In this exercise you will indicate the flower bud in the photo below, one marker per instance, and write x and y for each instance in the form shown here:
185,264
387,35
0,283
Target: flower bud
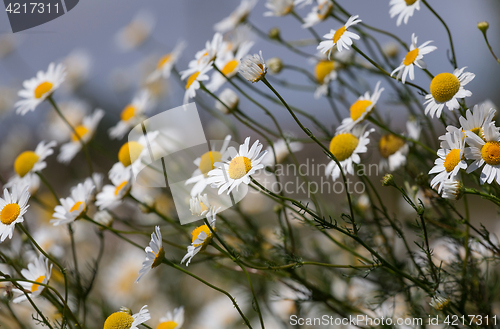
228,101
274,33
275,65
483,26
388,180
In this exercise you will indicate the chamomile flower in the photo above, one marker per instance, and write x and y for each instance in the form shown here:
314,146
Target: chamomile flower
135,33
394,149
37,89
199,205
173,320
228,65
125,320
324,72
439,302
346,147
77,64
238,16
412,58
154,253
281,150
131,115
342,38
167,62
450,159
452,189
111,196
484,152
205,164
361,108
84,133
403,8
74,206
12,208
229,101
481,116
31,162
194,77
446,89
236,167
279,7
38,271
318,13
213,49
253,67
202,235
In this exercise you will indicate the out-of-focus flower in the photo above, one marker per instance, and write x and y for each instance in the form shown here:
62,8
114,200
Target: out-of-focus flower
394,149
7,99
275,65
173,320
131,115
214,49
253,67
74,206
167,62
125,320
318,13
84,133
154,253
194,77
413,57
324,71
237,167
361,108
279,7
135,33
199,205
446,89
403,8
238,16
8,44
50,239
484,152
229,101
342,38
77,65
12,208
37,89
103,217
55,128
346,148
439,302
281,150
112,195
38,271
202,235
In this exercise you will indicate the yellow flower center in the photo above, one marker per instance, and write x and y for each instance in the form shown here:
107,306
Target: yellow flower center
410,57
338,34
207,161
165,59
490,153
191,79
158,258
128,113
390,144
10,213
229,67
322,69
80,132
196,232
120,187
42,89
444,86
129,153
167,325
35,286
239,167
410,2
25,162
451,160
119,320
77,205
343,145
358,108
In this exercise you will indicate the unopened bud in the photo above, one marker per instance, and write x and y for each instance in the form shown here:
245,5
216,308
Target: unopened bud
274,33
275,65
483,26
388,180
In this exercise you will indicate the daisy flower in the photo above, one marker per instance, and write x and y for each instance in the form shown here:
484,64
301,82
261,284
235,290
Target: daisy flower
341,37
125,320
205,164
446,89
413,57
84,133
199,205
346,147
39,271
450,159
167,62
77,64
12,208
131,115
202,235
439,302
253,67
452,189
154,253
237,166
281,150
213,48
229,101
318,13
37,89
475,120
324,72
111,196
403,8
30,162
74,206
484,152
134,34
394,149
228,65
361,108
173,320
279,7
194,77
238,16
